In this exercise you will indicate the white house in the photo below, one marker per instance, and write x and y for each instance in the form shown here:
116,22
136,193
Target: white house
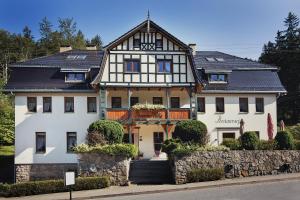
58,96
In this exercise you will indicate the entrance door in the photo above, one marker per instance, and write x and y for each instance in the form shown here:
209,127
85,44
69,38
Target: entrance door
158,139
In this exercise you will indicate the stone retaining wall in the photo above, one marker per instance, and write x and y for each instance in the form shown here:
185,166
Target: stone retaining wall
33,172
95,164
238,163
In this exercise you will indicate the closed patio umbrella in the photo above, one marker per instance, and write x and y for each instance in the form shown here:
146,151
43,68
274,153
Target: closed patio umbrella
242,127
282,125
270,127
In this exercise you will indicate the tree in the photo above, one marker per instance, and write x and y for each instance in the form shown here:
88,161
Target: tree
97,41
285,53
79,42
67,28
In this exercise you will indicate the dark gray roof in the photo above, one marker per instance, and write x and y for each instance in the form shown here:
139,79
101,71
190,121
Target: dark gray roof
39,78
249,81
93,59
230,62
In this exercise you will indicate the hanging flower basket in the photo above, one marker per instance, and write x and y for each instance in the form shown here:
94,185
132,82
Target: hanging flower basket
147,110
148,107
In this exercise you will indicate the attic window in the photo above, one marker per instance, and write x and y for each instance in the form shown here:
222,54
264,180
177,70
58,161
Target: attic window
217,78
75,77
210,59
220,59
76,57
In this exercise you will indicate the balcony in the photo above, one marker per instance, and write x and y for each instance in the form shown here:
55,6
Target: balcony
145,115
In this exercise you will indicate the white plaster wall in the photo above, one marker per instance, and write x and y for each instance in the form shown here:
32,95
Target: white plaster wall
55,124
253,121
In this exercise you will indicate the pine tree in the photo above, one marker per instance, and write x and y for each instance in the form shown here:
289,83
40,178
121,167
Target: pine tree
67,28
97,41
79,41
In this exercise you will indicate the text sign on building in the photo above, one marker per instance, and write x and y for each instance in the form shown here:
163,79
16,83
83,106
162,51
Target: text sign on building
69,178
227,121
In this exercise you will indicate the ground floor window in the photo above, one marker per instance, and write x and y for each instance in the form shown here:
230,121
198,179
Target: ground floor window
71,141
40,142
158,139
228,135
126,138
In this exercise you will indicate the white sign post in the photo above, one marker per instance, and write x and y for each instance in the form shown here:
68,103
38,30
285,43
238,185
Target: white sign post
69,181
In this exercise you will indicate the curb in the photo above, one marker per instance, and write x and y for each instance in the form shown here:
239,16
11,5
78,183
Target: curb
188,188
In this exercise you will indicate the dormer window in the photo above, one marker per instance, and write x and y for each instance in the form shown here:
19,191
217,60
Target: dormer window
136,43
75,77
217,78
159,43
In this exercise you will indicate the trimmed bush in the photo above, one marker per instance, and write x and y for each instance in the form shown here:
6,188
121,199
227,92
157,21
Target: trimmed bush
266,145
170,145
232,144
52,186
249,141
191,131
127,150
200,175
111,131
284,140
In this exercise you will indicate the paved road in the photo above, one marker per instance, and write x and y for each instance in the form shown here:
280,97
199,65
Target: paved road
285,190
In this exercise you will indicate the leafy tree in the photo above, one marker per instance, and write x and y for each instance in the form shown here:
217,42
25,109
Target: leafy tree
285,53
79,42
67,27
97,41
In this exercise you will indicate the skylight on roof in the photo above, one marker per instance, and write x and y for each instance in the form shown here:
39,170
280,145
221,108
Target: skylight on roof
76,57
210,59
220,59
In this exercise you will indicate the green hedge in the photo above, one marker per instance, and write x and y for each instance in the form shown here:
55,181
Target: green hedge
200,175
284,140
52,186
232,144
249,141
266,145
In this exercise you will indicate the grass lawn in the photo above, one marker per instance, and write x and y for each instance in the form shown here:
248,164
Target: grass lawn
7,150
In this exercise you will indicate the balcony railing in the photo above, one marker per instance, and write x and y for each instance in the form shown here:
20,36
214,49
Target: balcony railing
141,115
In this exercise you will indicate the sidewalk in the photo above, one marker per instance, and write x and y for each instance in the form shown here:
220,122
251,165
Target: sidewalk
148,189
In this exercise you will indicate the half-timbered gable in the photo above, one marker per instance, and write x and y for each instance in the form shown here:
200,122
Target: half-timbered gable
147,54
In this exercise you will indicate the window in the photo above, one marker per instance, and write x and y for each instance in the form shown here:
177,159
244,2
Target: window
201,104
164,66
136,43
228,136
217,78
220,104
134,100
47,104
159,43
157,101
158,139
175,102
259,104
75,77
132,66
69,104
40,142
91,105
71,141
257,133
243,104
126,138
116,102
31,104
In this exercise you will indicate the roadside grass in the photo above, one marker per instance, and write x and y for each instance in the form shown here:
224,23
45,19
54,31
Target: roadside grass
7,150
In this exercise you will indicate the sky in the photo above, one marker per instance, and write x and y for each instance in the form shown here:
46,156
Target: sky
238,27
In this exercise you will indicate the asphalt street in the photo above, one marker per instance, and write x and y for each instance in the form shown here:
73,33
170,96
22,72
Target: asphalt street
283,190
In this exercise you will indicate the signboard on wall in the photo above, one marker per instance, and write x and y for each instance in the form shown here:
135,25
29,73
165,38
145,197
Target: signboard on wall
70,178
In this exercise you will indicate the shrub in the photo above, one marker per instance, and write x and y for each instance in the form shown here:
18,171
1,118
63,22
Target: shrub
294,130
94,138
191,131
284,140
200,175
170,145
266,145
111,131
127,150
249,141
186,149
232,144
297,144
52,186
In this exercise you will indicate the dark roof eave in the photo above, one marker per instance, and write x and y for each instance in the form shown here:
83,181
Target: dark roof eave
15,90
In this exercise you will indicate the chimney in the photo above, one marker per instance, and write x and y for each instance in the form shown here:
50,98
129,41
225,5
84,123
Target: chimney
93,47
65,48
193,47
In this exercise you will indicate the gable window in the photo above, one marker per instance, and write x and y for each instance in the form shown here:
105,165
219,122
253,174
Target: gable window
136,43
220,108
91,105
201,104
116,102
75,77
175,102
40,142
69,104
31,104
244,105
159,43
157,101
47,104
259,105
164,66
217,78
132,66
134,100
71,141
